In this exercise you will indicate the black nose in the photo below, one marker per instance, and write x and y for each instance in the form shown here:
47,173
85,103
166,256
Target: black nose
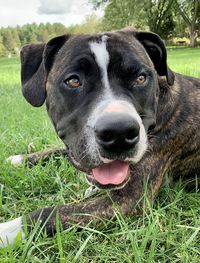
117,132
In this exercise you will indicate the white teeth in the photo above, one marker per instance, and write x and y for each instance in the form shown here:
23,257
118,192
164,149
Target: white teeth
105,160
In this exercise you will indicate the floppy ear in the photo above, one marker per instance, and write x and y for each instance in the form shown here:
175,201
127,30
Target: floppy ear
156,50
36,62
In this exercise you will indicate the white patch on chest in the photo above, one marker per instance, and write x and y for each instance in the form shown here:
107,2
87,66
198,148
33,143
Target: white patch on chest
102,59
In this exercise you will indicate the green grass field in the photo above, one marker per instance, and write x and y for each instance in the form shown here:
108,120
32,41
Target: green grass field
169,232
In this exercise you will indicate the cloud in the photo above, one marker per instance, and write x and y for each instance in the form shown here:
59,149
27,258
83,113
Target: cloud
67,12
60,7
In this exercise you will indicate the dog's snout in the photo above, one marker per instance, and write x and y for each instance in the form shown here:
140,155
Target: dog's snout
117,132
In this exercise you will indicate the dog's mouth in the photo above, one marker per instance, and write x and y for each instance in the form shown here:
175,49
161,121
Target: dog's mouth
115,173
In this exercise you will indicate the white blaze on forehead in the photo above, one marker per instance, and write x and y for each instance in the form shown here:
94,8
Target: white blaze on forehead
102,58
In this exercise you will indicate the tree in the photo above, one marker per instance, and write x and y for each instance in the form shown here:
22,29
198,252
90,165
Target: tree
91,25
159,17
119,14
16,38
45,36
98,3
8,40
156,15
190,13
2,48
58,29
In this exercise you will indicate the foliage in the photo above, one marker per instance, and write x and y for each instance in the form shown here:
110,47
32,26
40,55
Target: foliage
154,15
98,3
168,18
165,17
11,39
91,25
159,17
189,11
2,47
119,14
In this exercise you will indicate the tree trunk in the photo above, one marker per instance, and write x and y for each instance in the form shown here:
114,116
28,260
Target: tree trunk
193,38
190,20
193,33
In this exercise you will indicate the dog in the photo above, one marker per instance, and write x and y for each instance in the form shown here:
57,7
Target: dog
124,116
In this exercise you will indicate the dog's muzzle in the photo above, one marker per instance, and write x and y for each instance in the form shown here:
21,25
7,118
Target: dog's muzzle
114,138
117,133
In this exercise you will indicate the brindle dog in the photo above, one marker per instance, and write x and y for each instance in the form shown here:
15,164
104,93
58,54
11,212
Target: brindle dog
123,115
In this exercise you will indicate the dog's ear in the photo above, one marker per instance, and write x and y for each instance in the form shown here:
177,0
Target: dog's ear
156,50
36,62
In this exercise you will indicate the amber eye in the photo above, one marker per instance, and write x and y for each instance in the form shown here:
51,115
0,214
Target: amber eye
141,80
73,82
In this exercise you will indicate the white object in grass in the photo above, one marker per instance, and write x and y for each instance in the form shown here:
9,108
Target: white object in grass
16,160
10,230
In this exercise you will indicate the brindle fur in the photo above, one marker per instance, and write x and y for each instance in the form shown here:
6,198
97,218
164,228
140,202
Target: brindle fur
174,146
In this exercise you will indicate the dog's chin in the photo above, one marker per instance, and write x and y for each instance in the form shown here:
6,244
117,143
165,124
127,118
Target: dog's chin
111,174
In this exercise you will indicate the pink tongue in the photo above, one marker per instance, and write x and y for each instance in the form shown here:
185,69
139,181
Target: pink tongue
112,173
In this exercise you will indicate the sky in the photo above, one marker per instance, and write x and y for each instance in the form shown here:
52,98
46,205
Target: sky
67,12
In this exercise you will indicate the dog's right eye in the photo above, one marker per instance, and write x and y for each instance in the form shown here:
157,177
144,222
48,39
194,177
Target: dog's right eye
141,79
73,82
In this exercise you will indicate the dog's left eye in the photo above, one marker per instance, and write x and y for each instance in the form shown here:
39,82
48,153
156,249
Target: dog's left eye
73,82
141,79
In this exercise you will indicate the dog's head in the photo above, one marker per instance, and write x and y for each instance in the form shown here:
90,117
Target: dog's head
101,94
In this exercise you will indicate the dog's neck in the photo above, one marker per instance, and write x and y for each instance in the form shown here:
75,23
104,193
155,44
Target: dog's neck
167,103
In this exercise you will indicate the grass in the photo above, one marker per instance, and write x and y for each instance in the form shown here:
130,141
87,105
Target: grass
169,232
185,60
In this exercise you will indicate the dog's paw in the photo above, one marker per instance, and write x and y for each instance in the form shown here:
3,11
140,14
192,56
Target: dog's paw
10,231
16,160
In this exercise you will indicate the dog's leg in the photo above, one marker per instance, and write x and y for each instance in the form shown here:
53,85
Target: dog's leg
127,199
33,158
